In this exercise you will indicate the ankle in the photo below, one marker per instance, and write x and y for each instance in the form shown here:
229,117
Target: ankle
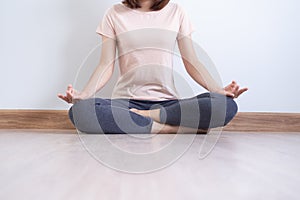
163,128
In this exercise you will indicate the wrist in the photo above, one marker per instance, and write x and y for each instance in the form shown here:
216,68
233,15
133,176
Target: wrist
79,96
83,95
218,90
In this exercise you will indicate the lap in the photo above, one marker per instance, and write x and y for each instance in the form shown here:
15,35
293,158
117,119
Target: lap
204,98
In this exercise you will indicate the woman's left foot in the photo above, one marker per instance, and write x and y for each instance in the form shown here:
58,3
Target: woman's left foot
144,113
168,128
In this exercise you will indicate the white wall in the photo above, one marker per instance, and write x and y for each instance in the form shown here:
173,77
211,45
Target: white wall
254,42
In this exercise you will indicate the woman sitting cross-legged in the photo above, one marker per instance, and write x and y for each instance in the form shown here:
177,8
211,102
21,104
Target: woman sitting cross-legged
145,98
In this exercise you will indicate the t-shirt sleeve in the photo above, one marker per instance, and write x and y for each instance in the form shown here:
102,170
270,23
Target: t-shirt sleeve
106,26
186,26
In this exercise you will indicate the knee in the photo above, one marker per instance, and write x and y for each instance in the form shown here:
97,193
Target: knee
231,110
83,116
223,109
70,113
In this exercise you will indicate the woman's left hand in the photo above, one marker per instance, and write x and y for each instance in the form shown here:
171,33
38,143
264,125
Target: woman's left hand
233,90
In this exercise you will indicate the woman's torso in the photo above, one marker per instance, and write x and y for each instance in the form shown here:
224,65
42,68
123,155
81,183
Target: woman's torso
145,43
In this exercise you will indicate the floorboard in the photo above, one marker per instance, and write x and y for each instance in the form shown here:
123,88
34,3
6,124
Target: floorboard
58,166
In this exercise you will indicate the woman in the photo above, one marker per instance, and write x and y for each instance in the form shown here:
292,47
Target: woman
145,99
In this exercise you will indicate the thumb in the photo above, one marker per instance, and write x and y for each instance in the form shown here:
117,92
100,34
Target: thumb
229,94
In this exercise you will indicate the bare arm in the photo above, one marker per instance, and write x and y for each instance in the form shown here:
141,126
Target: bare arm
100,76
200,74
104,70
194,67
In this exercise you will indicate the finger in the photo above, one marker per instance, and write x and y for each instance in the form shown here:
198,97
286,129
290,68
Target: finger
69,88
241,91
69,96
236,89
62,96
232,86
234,83
233,89
69,93
66,99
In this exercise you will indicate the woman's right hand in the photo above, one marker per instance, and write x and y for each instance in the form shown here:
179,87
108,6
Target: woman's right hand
72,96
234,90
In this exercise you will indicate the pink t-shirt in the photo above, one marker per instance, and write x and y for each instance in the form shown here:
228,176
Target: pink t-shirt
145,44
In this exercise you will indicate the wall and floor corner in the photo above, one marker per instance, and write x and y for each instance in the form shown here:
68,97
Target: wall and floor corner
254,42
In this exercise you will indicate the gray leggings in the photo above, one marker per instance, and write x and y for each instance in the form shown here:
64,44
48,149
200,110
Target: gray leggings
96,115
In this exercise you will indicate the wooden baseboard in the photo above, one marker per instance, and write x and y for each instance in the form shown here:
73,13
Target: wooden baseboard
35,119
265,122
58,120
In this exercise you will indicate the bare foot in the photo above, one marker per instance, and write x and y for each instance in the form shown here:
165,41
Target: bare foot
168,129
157,127
144,113
153,114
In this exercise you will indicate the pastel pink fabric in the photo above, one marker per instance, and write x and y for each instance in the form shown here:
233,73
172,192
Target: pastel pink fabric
145,44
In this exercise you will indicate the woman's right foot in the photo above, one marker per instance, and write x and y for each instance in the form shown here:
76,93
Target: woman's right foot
165,128
153,114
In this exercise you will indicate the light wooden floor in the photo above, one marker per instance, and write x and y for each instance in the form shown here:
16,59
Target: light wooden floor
241,166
